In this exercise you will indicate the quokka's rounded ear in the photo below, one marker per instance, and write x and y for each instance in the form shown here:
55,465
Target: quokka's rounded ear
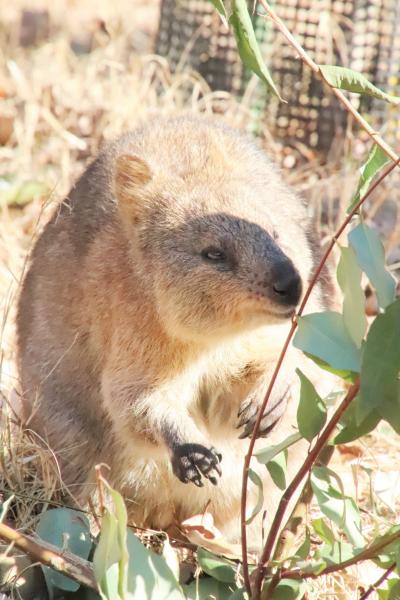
131,175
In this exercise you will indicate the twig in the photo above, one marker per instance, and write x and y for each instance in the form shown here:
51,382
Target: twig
78,569
290,531
304,469
378,582
263,406
306,58
367,554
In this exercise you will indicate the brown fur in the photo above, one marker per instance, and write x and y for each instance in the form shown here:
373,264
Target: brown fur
132,346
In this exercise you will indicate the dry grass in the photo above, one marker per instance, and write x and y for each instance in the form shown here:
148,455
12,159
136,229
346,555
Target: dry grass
62,107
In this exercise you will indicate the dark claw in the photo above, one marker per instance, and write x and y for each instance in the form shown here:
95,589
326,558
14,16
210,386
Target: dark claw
244,406
246,432
192,461
248,413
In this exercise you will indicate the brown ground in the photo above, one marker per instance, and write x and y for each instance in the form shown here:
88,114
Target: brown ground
56,107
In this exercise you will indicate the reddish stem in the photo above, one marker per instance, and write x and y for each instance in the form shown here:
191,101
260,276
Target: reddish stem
263,406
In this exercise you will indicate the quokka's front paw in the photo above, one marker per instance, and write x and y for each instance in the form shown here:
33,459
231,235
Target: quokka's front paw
190,462
248,413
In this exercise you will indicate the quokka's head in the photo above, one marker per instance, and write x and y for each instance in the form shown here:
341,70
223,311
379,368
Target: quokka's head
214,233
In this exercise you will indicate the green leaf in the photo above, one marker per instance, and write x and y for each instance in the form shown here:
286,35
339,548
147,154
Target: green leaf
247,44
389,409
388,553
349,278
311,565
171,558
311,413
303,550
346,375
351,430
335,554
219,5
277,468
323,531
125,569
67,529
218,567
380,385
394,589
325,336
289,589
264,455
339,508
204,588
111,557
347,79
254,477
371,258
149,575
239,595
375,162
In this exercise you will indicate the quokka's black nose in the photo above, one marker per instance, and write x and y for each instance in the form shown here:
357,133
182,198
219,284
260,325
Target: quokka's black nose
286,284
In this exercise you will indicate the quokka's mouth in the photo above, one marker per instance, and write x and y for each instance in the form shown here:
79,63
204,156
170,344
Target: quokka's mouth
287,314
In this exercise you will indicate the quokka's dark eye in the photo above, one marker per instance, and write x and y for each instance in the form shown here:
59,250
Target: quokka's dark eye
213,254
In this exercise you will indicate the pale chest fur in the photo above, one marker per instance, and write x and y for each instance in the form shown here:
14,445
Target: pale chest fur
229,373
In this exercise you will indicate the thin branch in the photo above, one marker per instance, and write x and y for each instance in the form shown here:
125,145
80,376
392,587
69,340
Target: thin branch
78,569
290,531
306,58
263,406
378,582
290,490
367,554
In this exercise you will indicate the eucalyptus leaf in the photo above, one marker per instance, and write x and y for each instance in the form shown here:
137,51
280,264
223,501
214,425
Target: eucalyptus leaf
380,385
303,550
375,162
347,79
255,478
344,374
149,575
323,531
394,590
277,468
311,412
325,336
289,589
219,5
339,508
349,278
389,409
352,430
218,567
240,594
204,588
371,258
68,529
264,455
335,554
110,558
247,44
